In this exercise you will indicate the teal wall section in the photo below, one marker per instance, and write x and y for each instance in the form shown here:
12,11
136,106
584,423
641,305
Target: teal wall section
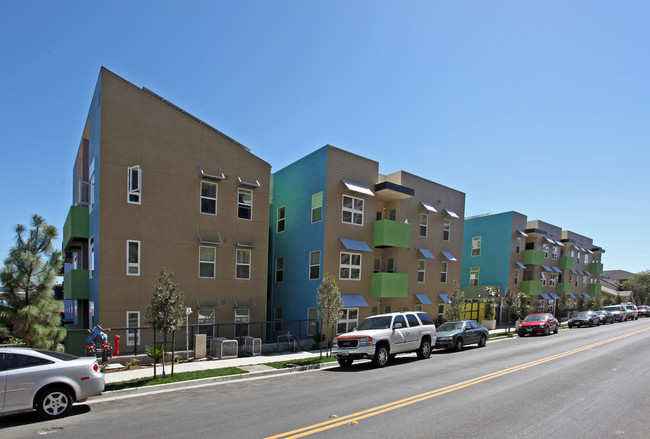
293,187
496,240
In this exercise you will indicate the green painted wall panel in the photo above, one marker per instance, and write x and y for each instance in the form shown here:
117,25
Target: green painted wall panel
387,233
563,288
531,287
565,262
383,285
596,268
76,225
533,257
75,284
594,289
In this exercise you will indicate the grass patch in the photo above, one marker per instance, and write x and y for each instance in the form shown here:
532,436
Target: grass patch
303,362
178,377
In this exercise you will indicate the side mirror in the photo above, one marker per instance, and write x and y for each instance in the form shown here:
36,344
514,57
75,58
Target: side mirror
397,325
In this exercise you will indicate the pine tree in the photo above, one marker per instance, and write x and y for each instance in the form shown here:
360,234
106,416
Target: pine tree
29,275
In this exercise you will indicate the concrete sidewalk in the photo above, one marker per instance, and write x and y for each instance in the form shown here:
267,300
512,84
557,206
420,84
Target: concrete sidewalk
251,364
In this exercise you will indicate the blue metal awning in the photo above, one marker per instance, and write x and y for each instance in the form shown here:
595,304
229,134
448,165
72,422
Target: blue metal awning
451,213
546,296
353,301
571,294
547,268
426,253
444,298
428,207
587,295
587,273
580,272
557,270
449,256
521,232
351,244
573,271
354,187
424,300
549,240
520,265
555,296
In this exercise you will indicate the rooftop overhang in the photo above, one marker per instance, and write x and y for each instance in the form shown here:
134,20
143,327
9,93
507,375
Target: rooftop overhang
388,191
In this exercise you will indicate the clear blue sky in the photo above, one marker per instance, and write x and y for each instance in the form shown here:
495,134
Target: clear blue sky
542,107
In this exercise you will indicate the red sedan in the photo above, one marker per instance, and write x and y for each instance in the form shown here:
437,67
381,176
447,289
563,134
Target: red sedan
542,323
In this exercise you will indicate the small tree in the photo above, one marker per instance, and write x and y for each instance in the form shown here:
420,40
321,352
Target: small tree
455,309
490,294
639,284
562,305
597,302
524,306
511,305
330,305
166,312
608,300
29,274
582,306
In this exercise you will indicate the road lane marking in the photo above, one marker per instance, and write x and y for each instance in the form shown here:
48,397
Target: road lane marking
355,417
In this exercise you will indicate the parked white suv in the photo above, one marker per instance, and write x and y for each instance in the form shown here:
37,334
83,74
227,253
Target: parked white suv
383,336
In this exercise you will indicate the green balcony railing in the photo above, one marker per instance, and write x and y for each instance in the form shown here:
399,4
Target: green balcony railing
75,284
388,233
563,288
565,263
531,287
596,268
76,225
383,285
594,289
533,257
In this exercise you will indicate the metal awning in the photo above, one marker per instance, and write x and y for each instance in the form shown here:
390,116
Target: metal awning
202,240
424,300
549,240
522,233
520,265
547,268
212,177
581,273
587,273
573,271
557,270
251,244
555,296
449,256
426,253
559,243
444,298
353,301
354,187
428,207
351,244
587,295
250,184
451,213
546,296
571,294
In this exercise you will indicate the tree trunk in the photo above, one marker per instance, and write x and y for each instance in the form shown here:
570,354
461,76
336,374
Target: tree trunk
154,354
173,349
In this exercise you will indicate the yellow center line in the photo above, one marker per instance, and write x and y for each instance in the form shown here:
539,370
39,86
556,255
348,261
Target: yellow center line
344,420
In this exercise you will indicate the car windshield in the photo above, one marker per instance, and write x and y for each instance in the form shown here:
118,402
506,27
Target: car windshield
57,355
450,326
600,313
582,314
613,308
537,318
375,323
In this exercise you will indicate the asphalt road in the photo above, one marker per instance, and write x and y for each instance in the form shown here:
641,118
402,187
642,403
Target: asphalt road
582,382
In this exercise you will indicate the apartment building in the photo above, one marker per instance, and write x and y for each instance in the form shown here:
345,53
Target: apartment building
154,187
392,242
533,257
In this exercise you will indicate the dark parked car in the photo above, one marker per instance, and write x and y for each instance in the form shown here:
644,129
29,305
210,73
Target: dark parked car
455,335
542,323
644,311
605,316
584,318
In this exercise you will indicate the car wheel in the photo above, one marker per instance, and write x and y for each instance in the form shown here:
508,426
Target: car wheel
483,341
570,325
520,335
345,362
547,331
424,351
381,356
591,323
459,344
54,402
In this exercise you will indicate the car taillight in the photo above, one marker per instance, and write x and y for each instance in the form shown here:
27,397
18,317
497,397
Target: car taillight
95,367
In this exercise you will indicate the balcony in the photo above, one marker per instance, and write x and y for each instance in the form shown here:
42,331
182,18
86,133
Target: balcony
563,288
388,233
531,287
596,268
75,285
533,257
565,263
594,289
385,285
76,225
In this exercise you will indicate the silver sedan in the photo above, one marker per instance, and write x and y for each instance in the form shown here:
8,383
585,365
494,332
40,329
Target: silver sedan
49,382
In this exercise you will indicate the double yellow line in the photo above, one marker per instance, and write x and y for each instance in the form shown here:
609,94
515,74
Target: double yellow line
355,417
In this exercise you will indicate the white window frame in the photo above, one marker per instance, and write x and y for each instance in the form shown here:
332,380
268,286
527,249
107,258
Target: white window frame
130,265
91,257
444,269
354,212
446,229
555,253
281,219
243,264
242,322
424,224
518,246
241,205
202,197
543,279
312,265
279,269
349,318
553,280
349,266
422,267
316,207
91,185
206,316
132,335
474,274
516,279
476,245
540,305
134,185
584,281
586,258
208,262
419,307
545,249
